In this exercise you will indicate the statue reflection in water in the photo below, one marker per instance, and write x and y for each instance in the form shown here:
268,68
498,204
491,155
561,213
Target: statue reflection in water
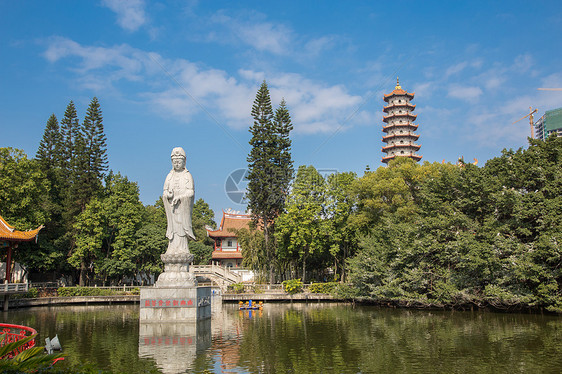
174,346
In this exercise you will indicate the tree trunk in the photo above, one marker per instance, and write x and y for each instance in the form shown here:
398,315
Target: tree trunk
304,270
83,269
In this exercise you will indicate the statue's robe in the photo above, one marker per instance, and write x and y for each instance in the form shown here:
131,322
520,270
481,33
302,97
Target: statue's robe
179,216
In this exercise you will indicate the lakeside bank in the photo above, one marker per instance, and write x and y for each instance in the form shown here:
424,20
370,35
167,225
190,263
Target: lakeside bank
135,299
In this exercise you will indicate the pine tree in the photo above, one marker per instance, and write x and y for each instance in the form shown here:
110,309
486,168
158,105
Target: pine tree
95,140
50,157
48,153
284,162
269,167
69,134
90,154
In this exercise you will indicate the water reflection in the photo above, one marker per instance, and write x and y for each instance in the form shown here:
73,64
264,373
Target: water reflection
304,338
174,346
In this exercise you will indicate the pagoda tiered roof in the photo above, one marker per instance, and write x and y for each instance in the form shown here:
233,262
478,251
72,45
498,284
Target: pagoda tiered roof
8,233
397,115
412,145
412,125
398,91
408,135
404,104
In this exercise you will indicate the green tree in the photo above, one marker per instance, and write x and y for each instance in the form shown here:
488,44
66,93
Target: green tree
69,133
151,239
124,213
23,190
254,256
269,167
24,203
49,151
338,212
203,216
301,230
91,233
107,233
94,152
50,156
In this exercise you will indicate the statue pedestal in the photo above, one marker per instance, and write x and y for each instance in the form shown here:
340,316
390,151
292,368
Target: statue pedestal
175,296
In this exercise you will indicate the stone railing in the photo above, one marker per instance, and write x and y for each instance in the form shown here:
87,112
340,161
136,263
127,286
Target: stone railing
216,271
14,288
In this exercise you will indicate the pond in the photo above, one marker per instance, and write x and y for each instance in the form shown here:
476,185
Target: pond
303,338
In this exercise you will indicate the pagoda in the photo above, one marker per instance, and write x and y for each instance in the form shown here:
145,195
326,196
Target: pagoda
399,127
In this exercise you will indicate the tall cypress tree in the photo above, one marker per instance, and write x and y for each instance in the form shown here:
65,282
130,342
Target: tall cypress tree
269,167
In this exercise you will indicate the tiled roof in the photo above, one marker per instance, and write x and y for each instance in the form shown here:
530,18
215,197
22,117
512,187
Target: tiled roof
391,146
230,223
387,108
412,125
226,254
406,135
10,234
413,116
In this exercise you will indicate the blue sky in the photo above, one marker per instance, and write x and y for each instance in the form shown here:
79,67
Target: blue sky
185,73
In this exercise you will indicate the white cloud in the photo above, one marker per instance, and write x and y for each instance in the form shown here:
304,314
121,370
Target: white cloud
467,93
523,63
456,69
182,89
271,37
130,13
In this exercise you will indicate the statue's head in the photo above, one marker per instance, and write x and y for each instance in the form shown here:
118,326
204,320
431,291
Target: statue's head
178,158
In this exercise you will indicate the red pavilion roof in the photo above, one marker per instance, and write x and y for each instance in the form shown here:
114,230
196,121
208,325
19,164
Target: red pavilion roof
226,254
230,223
10,234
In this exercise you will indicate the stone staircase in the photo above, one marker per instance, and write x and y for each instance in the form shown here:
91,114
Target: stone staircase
218,275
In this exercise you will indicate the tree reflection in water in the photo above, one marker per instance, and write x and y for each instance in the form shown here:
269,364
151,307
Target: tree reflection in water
306,338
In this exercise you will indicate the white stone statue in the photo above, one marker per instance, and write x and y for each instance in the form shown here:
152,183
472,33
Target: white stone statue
178,202
178,198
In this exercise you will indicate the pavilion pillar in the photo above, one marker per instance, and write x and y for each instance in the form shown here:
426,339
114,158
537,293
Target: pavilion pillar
8,276
9,263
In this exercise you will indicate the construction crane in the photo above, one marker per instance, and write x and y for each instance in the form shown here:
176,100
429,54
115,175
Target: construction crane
549,89
531,121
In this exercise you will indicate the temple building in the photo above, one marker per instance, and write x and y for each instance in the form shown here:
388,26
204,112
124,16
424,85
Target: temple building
227,251
399,127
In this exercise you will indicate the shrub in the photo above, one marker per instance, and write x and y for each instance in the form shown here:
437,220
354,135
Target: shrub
236,288
134,291
257,289
85,291
292,286
323,287
32,293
